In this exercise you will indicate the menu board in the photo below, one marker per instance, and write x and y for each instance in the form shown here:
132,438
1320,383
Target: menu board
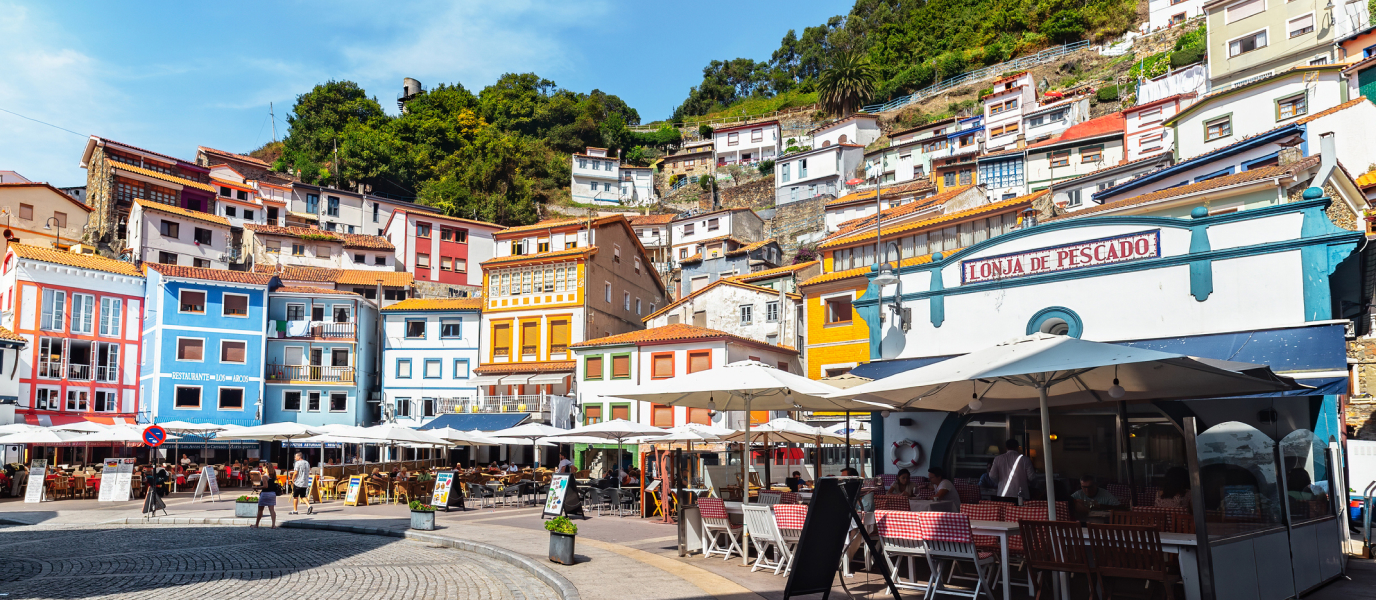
116,480
37,475
554,500
207,482
354,491
443,483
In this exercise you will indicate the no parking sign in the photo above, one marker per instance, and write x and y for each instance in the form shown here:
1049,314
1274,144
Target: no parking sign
154,436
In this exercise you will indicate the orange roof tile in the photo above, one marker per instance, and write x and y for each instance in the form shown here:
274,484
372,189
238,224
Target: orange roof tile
889,214
694,258
182,212
369,242
543,256
917,185
163,176
723,281
296,232
641,220
861,271
1323,113
287,289
1100,126
422,213
234,185
8,335
775,272
556,366
547,224
1367,180
209,274
240,157
955,216
298,273
749,247
1260,174
366,277
674,332
70,259
435,304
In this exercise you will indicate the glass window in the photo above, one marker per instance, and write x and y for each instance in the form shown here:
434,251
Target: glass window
1237,471
192,301
187,397
460,368
83,313
662,365
291,401
235,305
451,328
1306,476
433,368
110,316
592,368
339,402
232,351
403,368
621,366
231,398
415,329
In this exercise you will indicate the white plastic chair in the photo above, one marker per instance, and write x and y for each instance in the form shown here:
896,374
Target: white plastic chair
764,534
769,498
716,523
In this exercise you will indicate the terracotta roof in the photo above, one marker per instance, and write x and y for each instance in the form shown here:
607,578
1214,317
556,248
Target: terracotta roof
915,185
1323,113
1000,153
745,126
556,366
204,274
370,242
1195,188
366,277
296,232
1009,77
861,271
71,259
775,272
750,247
674,332
694,258
901,132
163,176
232,185
955,216
1158,102
641,220
554,254
182,212
298,273
853,225
1101,126
723,281
1367,180
714,212
6,334
287,289
238,157
20,184
436,304
172,159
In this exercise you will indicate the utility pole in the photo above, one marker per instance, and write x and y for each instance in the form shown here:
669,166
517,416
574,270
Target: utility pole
273,116
336,163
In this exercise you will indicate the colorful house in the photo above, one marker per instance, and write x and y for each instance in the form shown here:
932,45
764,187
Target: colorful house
429,350
321,359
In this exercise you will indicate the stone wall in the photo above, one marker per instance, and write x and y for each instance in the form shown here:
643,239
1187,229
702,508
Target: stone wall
755,194
435,289
1163,40
796,219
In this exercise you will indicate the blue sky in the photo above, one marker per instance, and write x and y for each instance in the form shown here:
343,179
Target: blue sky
170,77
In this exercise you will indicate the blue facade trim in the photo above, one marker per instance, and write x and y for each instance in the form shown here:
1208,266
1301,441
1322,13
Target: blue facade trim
1172,171
1201,271
937,305
870,313
1072,320
1321,260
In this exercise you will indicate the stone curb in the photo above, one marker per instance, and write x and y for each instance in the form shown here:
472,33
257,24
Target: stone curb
563,586
180,521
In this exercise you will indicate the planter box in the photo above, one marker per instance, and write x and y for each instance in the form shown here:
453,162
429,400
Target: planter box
423,520
561,548
245,510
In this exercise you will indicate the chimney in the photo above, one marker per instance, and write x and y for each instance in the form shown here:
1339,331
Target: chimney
1328,159
1289,156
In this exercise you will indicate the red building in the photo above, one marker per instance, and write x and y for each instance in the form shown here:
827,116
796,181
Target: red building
441,250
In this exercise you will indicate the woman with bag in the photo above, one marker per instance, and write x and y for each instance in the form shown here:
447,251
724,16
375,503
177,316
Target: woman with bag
267,497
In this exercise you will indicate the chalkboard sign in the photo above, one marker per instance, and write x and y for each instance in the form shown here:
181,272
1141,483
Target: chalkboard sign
820,546
554,500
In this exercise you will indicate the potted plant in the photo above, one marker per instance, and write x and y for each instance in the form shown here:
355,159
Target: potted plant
562,532
422,516
246,507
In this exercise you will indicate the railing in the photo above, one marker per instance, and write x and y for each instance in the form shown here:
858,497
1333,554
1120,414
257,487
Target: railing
682,182
50,368
527,403
107,374
1045,56
327,331
77,372
319,373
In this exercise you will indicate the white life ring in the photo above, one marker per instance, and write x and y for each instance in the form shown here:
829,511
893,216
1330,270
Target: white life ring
898,452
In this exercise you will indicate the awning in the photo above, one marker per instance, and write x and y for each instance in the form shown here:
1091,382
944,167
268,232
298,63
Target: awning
51,420
479,421
516,379
548,378
486,380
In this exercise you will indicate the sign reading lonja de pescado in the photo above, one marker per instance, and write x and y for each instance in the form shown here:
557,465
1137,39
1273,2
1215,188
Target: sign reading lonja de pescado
1091,253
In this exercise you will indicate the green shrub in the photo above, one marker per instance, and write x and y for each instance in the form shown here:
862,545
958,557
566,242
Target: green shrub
319,237
253,499
1187,57
418,506
562,525
705,131
985,92
766,167
1108,93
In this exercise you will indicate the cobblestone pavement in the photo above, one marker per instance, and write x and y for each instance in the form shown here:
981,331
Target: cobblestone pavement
236,562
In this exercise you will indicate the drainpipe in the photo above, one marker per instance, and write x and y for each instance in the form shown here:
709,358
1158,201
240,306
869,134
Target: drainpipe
1328,159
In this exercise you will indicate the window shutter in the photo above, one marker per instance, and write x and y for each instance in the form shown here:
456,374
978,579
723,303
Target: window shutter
699,361
530,337
501,337
235,352
559,336
621,366
664,366
47,319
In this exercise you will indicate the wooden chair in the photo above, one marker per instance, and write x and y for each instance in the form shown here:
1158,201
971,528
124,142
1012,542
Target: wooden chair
79,487
769,498
1145,496
1135,517
946,537
256,480
1054,546
1062,509
1130,552
1177,519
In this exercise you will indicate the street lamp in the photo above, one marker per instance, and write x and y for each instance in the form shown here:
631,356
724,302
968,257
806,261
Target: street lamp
57,233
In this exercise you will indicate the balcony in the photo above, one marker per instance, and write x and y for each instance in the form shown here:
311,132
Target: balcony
529,403
107,374
312,373
77,372
320,330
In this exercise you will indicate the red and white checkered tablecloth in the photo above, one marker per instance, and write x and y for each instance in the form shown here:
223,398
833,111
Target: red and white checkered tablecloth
984,511
891,502
945,527
898,524
788,498
712,508
1026,513
790,516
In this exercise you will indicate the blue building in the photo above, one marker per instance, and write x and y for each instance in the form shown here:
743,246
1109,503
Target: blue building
203,344
321,357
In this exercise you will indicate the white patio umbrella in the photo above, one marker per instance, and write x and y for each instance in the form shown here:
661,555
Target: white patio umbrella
530,431
120,434
17,427
392,433
42,436
745,385
1044,370
200,430
82,427
272,432
615,429
785,430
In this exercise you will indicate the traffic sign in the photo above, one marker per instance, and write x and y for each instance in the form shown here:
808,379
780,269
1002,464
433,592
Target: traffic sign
154,436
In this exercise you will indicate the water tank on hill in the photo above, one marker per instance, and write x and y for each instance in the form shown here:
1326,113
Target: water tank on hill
410,88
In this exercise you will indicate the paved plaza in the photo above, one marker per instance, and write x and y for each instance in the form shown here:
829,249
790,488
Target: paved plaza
86,549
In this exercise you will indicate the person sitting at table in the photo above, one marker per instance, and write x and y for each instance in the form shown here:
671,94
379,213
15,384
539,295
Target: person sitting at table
1175,489
943,490
401,474
1091,496
795,482
632,477
512,468
903,485
1298,486
494,469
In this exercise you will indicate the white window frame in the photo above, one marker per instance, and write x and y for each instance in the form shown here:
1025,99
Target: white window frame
303,306
300,401
205,299
57,319
77,325
175,352
200,392
747,314
247,307
328,403
113,308
1228,45
219,399
95,401
222,352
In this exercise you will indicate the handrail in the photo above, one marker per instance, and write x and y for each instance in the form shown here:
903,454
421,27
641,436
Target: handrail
1044,56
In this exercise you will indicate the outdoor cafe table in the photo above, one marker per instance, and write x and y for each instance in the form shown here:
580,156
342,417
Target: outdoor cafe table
1172,543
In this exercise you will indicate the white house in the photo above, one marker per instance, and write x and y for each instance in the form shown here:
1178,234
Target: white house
275,199
162,233
236,199
1169,13
596,177
637,185
909,154
758,313
817,172
1146,133
1052,117
861,204
857,129
429,351
1081,150
746,144
1003,110
1075,194
694,233
1225,116
302,247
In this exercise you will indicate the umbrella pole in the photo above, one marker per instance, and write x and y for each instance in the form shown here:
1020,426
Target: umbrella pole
1059,581
768,458
847,439
745,455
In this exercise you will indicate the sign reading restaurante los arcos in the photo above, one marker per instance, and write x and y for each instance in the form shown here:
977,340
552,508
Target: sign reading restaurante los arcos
1103,251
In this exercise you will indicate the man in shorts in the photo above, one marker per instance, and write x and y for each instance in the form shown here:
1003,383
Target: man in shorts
300,484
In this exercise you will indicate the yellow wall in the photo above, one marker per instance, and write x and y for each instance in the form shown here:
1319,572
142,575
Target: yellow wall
528,301
847,342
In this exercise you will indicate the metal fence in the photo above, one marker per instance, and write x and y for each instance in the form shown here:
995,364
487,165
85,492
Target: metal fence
988,72
528,403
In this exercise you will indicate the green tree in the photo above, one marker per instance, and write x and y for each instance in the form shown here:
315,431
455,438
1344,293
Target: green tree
846,83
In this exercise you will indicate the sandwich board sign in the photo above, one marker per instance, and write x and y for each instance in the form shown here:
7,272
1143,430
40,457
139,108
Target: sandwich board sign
444,482
207,482
38,474
354,495
116,480
554,500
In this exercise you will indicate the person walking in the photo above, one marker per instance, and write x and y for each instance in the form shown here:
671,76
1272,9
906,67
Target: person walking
301,485
267,497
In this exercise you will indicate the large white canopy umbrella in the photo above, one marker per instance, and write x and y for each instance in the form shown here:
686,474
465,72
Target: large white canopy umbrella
43,436
82,427
1044,370
272,432
530,431
120,434
615,429
392,433
745,386
17,427
458,437
784,430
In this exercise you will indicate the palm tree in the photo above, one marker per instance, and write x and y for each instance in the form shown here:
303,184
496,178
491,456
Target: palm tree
846,83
